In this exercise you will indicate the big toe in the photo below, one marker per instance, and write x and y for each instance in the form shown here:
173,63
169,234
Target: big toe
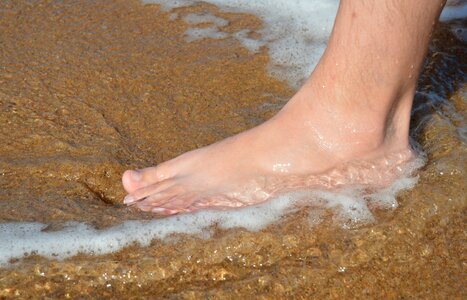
132,180
135,179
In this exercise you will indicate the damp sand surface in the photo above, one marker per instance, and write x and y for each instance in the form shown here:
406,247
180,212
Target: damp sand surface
89,89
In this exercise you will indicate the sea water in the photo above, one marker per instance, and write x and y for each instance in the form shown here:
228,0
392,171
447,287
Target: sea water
295,35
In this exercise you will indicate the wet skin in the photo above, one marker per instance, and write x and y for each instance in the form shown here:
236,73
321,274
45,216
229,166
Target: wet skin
347,125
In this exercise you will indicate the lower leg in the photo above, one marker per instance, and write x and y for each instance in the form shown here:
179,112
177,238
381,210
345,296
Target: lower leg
368,73
355,106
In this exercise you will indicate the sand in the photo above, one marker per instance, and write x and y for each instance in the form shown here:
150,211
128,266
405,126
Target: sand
89,89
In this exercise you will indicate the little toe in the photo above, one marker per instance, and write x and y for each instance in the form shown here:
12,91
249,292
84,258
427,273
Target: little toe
145,207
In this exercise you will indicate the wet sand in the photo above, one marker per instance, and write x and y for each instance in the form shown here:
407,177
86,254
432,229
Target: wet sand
89,89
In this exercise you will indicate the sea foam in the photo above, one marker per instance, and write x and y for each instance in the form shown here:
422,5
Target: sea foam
295,32
351,207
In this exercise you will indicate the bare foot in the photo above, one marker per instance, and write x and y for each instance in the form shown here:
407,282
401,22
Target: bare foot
303,145
348,125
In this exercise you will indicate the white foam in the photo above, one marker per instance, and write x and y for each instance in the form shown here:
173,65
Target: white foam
193,34
351,206
19,239
251,44
205,18
296,32
173,16
213,31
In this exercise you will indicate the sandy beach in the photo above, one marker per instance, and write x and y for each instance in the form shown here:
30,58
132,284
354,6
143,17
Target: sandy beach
89,89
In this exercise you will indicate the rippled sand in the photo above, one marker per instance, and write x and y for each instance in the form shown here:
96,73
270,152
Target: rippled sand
88,90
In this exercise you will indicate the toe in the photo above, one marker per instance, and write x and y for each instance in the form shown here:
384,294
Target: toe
131,180
136,179
144,192
164,211
179,203
158,199
171,200
158,173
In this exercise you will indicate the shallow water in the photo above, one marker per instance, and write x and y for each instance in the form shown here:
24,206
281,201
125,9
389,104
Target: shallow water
88,90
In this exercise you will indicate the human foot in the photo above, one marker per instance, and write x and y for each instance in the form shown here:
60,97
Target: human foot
348,125
302,146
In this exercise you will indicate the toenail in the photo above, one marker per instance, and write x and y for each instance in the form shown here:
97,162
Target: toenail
159,210
136,175
128,199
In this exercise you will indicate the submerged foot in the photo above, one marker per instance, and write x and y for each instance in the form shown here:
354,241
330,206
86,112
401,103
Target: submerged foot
305,144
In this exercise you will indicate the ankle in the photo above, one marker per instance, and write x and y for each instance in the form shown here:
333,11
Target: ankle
358,117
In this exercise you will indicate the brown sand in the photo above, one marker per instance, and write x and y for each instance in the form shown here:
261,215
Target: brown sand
89,89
